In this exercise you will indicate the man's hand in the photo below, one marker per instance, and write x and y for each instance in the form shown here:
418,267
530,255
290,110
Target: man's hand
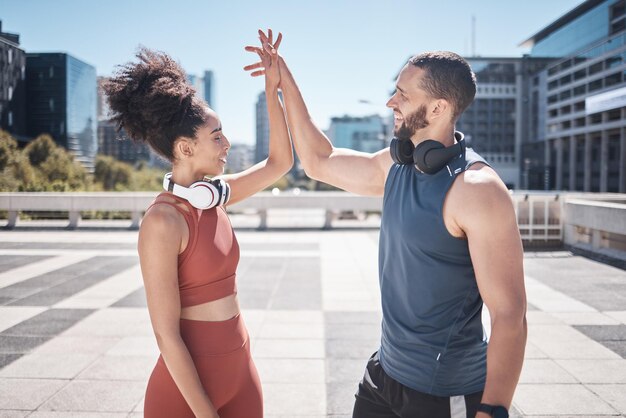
268,53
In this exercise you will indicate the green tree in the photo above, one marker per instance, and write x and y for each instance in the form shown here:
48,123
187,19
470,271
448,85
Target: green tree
40,149
44,166
112,174
8,149
61,172
146,178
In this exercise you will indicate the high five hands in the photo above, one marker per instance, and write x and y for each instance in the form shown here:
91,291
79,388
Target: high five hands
268,53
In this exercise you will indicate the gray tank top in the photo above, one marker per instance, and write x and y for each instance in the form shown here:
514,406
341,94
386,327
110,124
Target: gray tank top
432,335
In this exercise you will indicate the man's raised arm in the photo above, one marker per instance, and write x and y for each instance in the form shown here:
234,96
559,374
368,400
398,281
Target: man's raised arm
353,171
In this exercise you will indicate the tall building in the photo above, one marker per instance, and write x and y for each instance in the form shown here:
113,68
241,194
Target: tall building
197,83
103,105
119,146
240,157
61,100
262,147
110,142
12,85
261,150
366,133
496,123
204,86
581,145
209,89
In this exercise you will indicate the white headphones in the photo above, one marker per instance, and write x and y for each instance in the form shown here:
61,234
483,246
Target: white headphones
202,194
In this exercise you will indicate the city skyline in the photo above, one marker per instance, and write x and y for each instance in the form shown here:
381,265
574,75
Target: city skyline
321,45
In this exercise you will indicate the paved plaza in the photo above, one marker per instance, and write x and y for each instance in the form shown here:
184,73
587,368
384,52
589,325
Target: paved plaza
76,341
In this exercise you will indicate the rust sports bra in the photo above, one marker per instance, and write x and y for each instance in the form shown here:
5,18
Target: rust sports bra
207,267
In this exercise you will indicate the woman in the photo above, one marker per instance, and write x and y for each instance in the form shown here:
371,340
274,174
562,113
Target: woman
188,255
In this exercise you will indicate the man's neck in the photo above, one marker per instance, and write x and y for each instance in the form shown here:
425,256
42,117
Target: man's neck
444,134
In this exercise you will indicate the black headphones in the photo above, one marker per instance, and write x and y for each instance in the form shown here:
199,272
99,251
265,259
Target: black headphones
428,156
202,194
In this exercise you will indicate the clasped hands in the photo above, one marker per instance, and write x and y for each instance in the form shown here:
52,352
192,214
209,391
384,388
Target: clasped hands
269,63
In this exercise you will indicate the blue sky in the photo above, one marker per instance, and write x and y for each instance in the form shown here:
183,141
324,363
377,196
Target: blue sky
340,52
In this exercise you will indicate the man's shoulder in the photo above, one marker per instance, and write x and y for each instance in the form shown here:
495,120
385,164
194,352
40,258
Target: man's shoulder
479,176
479,189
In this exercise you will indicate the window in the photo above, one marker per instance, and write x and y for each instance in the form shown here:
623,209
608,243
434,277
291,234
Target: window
566,110
553,70
10,118
596,68
595,85
565,95
618,9
615,114
51,72
51,105
23,72
553,84
580,122
613,79
580,90
10,56
613,61
618,26
565,79
580,74
10,93
580,106
553,99
553,113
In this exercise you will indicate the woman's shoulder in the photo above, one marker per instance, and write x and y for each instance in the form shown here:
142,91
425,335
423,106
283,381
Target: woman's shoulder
165,213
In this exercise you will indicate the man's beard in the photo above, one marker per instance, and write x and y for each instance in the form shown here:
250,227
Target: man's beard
412,123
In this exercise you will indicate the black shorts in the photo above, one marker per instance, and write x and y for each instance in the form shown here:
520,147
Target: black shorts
380,396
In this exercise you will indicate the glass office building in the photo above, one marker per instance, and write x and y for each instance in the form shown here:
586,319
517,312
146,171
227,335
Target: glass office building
361,133
209,89
12,85
61,97
581,145
497,122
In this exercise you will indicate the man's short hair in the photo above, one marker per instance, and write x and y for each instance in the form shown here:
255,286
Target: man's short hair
447,76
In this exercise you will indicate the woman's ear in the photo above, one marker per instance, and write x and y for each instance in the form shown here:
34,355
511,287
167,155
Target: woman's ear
183,147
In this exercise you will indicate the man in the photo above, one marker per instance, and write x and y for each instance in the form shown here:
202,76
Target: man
448,241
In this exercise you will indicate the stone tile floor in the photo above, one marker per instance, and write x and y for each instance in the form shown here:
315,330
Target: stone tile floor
76,341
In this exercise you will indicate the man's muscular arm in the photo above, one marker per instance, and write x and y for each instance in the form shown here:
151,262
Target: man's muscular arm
488,219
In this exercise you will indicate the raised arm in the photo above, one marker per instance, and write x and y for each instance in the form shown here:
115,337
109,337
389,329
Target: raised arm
488,219
280,159
160,240
354,171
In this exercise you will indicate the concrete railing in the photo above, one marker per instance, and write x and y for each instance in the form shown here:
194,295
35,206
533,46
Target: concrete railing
543,217
136,203
596,226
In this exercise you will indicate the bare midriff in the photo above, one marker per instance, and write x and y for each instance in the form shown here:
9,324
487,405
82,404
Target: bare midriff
216,310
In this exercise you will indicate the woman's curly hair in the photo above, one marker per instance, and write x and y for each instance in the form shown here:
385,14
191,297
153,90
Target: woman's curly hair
152,101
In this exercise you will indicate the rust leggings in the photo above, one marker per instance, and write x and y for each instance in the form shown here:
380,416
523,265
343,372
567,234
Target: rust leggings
221,353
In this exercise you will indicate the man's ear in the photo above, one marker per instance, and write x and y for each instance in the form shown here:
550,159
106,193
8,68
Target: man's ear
440,108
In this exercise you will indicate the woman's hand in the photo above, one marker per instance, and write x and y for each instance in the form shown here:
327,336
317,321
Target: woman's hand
268,53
